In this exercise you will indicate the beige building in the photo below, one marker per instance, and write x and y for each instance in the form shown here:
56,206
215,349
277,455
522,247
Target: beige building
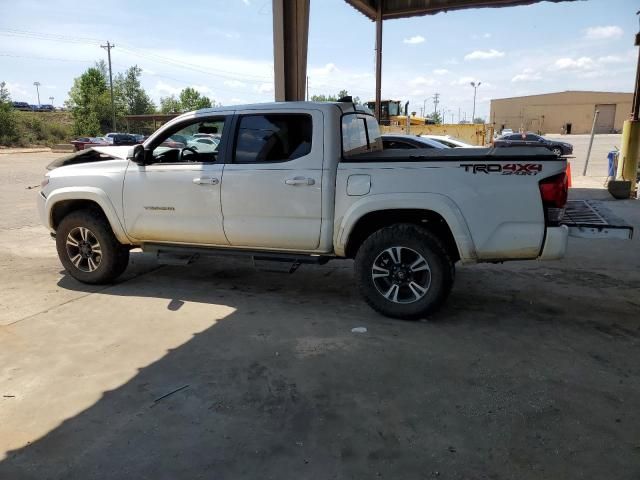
562,112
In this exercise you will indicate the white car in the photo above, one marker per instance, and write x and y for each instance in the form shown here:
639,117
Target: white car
305,182
449,141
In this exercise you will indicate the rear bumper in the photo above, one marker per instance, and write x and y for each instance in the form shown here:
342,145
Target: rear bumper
555,243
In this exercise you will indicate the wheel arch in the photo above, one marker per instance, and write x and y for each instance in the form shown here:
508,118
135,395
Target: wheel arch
62,202
433,211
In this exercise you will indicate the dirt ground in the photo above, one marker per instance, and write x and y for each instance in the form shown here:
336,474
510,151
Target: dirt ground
530,371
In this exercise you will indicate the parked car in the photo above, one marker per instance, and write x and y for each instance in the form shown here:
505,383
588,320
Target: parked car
121,139
407,142
308,182
46,108
449,141
23,106
532,140
506,131
82,143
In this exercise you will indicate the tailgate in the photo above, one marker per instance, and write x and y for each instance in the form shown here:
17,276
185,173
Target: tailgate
590,219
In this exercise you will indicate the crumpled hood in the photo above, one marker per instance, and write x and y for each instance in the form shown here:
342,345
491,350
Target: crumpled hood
93,154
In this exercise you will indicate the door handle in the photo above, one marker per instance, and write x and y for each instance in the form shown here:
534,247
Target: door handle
206,181
300,181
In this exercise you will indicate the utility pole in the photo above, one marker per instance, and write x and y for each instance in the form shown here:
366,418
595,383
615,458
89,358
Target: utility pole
37,85
436,100
475,91
307,88
51,98
459,117
108,48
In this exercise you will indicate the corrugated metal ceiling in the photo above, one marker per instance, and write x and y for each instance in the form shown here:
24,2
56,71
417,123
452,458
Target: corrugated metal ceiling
411,8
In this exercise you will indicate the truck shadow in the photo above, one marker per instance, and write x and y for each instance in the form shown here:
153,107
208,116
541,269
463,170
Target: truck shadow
281,388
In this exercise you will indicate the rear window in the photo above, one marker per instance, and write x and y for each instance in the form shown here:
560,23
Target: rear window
360,133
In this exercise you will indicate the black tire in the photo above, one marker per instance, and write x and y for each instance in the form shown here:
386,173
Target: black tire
557,151
413,240
106,266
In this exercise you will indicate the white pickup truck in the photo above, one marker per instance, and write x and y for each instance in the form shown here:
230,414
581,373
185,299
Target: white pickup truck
305,183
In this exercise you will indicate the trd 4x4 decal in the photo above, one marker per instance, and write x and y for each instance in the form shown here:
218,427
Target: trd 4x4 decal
508,169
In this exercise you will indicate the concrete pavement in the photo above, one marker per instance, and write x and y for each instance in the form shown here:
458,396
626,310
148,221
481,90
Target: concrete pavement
531,370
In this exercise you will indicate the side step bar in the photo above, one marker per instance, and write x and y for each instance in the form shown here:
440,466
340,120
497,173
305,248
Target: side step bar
185,255
590,219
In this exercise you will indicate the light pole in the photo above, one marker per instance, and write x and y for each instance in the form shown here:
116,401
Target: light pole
424,108
51,98
475,91
37,85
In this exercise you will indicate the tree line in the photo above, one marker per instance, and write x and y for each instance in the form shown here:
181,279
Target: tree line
90,99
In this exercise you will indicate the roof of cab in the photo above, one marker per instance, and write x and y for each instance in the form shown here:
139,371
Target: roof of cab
343,106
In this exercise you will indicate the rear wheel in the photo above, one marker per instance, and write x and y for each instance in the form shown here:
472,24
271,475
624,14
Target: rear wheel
88,249
404,271
557,151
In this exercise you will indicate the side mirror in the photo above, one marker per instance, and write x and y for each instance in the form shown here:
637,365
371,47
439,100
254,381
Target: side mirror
138,155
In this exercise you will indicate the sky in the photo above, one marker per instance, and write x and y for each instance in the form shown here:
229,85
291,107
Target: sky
224,48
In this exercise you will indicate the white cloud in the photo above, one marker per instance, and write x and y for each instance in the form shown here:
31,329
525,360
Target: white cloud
16,89
326,70
582,63
441,71
203,89
422,82
486,35
163,89
463,81
527,75
451,61
611,59
604,32
246,2
264,88
414,40
484,54
234,83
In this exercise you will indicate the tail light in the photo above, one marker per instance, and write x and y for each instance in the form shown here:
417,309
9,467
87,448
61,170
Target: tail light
554,191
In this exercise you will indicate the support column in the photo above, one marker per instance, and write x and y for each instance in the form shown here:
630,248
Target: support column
290,44
378,111
630,152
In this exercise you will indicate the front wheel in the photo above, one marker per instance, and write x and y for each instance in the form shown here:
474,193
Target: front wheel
88,249
557,151
404,271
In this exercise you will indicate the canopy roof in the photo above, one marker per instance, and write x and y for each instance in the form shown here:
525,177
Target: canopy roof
413,8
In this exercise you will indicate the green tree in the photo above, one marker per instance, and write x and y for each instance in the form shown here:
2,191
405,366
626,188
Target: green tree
434,118
90,103
130,97
9,131
170,104
333,98
478,120
4,93
191,99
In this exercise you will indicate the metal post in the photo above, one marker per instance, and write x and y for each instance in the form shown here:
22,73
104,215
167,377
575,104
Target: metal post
108,48
290,45
406,115
593,132
378,111
37,84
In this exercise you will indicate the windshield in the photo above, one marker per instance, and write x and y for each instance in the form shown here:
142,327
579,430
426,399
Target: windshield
360,133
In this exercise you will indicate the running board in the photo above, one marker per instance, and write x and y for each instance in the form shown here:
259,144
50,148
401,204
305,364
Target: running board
185,255
590,219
